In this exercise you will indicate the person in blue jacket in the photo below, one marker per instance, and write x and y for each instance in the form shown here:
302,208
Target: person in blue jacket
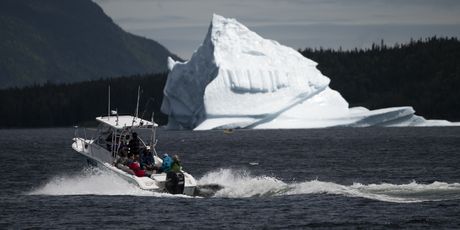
167,162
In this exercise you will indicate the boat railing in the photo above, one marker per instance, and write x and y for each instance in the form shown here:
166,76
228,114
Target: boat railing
76,136
116,140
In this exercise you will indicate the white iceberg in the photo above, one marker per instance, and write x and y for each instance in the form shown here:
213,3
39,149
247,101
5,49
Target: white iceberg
237,79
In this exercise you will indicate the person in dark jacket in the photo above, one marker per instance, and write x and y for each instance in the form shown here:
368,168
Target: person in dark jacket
134,144
147,160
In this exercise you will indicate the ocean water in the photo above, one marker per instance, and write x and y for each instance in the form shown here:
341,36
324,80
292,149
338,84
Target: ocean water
270,179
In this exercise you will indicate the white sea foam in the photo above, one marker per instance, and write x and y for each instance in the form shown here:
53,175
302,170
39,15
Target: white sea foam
239,183
91,181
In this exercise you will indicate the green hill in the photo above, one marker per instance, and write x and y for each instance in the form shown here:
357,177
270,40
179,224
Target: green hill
424,74
67,41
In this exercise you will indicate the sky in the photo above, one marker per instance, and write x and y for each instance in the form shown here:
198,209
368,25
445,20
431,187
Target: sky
181,25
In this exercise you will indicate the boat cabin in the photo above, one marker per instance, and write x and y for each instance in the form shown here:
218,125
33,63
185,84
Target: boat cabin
115,131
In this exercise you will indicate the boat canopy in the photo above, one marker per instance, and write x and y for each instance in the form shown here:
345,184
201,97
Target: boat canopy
125,121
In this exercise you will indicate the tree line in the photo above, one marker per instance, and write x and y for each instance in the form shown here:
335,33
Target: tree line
51,105
423,73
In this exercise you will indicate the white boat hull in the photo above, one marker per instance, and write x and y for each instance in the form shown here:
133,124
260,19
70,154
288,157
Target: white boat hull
99,156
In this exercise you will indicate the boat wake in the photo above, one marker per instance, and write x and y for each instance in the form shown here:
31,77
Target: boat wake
231,183
239,183
92,181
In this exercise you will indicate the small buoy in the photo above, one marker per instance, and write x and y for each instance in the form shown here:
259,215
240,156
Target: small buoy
228,131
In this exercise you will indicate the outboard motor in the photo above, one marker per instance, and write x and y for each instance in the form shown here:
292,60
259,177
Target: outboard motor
175,182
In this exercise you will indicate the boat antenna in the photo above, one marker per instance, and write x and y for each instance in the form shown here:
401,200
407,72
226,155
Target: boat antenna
154,138
137,105
136,114
147,105
108,106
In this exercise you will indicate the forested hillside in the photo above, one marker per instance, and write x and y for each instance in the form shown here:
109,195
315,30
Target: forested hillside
424,74
63,41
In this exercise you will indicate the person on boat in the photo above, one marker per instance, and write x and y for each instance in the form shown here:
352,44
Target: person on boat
123,161
176,165
121,158
134,144
175,178
136,167
166,165
130,159
127,138
147,160
123,145
123,151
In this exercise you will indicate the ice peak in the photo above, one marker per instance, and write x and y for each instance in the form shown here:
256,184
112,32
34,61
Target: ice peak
218,20
235,46
221,26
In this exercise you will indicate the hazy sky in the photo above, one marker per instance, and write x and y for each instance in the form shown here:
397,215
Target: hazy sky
181,25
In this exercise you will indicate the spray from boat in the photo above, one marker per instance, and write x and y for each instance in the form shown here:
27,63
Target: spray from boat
234,183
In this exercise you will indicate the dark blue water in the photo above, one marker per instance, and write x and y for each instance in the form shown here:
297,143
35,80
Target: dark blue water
343,178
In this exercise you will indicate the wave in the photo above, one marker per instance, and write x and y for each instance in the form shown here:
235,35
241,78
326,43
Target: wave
92,181
240,184
233,183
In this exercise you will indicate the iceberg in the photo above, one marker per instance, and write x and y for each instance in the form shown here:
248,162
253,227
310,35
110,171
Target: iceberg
237,79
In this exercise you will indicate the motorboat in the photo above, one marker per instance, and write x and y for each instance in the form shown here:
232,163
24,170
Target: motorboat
104,149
